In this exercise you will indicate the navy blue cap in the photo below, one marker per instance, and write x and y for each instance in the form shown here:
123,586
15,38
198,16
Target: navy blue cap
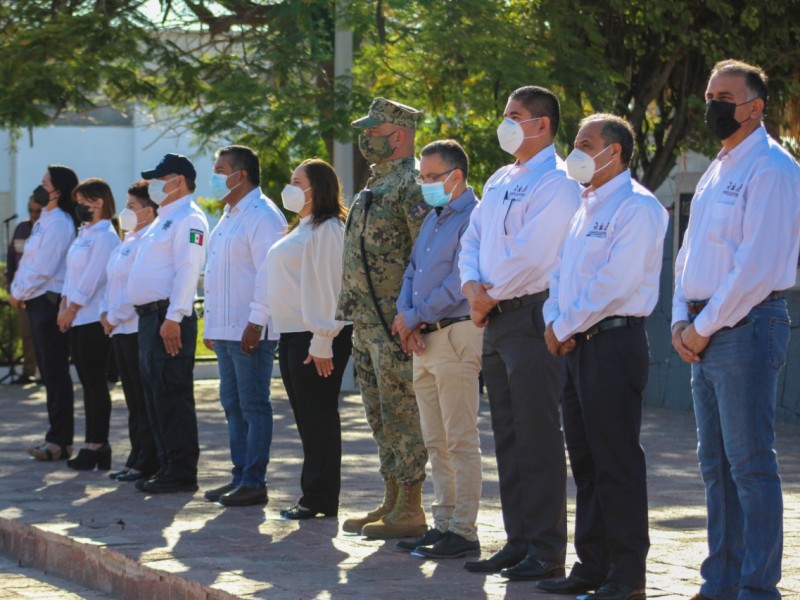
172,163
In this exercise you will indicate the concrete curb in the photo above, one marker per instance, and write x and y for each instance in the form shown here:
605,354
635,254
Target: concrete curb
97,566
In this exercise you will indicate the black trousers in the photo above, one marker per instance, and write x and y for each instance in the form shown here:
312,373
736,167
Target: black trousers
143,456
524,384
602,407
52,355
90,347
169,394
315,403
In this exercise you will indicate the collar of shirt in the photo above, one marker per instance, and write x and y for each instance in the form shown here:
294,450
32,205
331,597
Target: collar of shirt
169,209
459,204
594,197
102,224
384,168
546,157
756,138
243,203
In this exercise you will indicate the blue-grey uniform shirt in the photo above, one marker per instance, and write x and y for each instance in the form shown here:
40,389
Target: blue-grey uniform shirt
431,285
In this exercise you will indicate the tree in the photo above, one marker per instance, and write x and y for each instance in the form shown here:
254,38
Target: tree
261,72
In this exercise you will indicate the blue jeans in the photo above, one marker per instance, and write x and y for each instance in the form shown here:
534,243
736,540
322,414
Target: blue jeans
244,393
734,390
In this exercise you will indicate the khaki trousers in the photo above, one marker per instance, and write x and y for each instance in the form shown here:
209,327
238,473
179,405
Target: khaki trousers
446,385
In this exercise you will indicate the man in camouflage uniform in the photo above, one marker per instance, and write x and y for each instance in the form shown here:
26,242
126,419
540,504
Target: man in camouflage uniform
383,224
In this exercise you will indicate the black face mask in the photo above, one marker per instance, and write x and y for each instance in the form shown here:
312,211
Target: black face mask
41,196
83,213
720,118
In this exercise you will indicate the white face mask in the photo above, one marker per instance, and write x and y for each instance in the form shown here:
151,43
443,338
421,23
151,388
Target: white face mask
510,134
580,166
294,198
155,190
128,219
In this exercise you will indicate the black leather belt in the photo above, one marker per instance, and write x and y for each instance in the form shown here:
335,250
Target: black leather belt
150,307
609,323
696,306
441,324
505,306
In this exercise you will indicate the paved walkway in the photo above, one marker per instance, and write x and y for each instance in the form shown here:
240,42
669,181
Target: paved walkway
110,537
26,583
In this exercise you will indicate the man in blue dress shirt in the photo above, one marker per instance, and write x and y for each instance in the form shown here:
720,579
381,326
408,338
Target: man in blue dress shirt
433,323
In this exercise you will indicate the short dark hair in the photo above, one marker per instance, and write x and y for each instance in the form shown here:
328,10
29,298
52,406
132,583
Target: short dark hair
451,153
140,191
755,80
616,130
540,102
244,159
326,192
64,180
97,189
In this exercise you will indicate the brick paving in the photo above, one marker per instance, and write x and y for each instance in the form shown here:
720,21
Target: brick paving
109,537
25,583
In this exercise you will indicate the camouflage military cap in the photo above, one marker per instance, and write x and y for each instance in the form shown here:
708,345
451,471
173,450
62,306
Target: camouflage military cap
388,111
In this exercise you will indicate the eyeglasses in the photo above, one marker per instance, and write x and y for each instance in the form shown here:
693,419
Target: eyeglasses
432,178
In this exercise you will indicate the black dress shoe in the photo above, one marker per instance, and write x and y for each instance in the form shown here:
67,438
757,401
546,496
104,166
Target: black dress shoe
298,512
87,459
451,545
115,474
131,476
568,585
213,495
498,561
531,568
245,495
168,484
618,591
429,539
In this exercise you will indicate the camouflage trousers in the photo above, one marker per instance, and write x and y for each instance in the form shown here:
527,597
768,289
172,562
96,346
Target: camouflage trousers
390,404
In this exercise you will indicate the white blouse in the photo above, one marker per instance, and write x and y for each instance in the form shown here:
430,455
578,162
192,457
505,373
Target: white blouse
120,311
85,282
304,271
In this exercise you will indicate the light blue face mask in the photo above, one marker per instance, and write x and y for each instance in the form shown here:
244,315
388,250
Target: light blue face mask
219,185
434,193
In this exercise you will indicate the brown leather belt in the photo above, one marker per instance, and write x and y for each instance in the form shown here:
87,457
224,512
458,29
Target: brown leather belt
696,306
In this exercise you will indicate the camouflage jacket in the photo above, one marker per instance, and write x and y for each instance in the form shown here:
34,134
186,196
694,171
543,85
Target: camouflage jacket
392,224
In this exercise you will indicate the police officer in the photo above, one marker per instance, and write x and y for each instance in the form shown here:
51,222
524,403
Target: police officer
162,287
507,254
381,228
604,287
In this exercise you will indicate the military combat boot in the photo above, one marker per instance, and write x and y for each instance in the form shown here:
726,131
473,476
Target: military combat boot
407,518
355,525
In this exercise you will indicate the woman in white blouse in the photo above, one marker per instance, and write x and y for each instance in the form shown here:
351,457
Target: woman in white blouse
84,286
37,287
304,272
120,321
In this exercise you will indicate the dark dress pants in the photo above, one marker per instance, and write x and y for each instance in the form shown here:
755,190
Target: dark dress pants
602,407
524,384
169,395
90,347
52,354
143,456
315,403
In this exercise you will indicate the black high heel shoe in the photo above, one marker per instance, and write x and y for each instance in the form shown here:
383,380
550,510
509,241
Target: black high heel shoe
87,459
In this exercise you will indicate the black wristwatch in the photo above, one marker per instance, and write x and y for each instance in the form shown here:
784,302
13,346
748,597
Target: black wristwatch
256,328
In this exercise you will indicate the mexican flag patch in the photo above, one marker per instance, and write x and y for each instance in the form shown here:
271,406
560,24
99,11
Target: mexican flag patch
196,237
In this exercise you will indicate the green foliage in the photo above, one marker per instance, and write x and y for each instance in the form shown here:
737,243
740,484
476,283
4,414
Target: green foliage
261,72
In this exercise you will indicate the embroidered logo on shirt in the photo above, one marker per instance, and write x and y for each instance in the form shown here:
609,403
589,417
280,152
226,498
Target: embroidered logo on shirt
733,189
516,193
196,237
600,230
167,224
418,211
